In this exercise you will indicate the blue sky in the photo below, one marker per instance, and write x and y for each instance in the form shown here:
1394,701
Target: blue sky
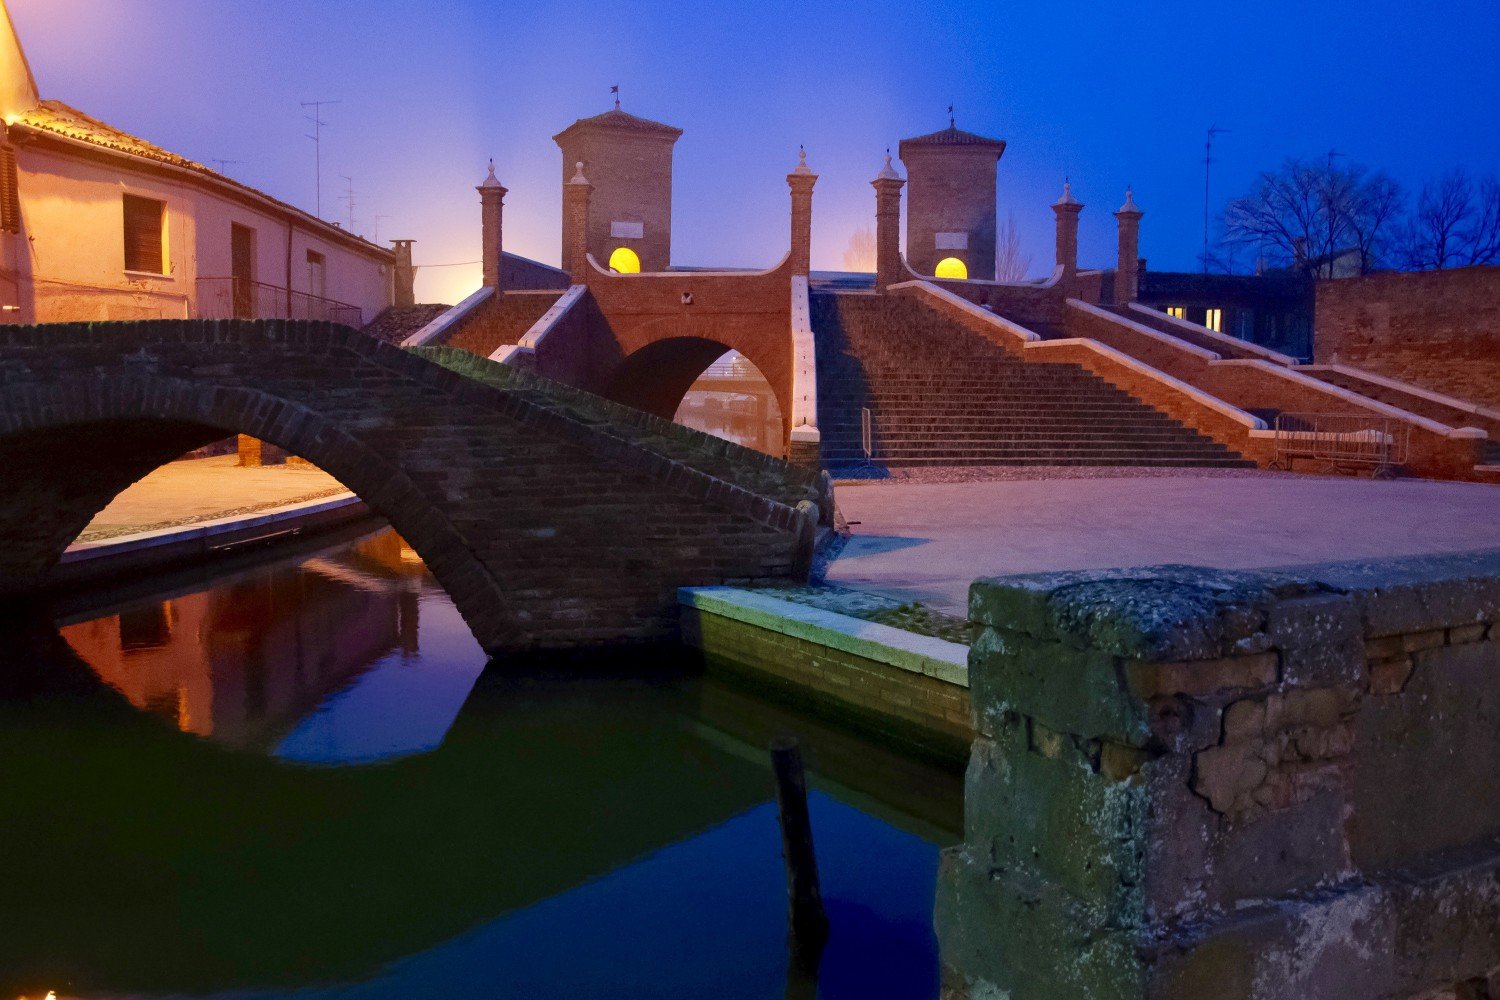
1108,93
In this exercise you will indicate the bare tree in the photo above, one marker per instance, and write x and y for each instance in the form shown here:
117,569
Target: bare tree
859,255
1010,263
1455,223
1433,237
1308,213
1484,232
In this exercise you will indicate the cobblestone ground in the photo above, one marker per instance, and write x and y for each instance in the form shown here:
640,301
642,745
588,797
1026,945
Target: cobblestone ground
206,489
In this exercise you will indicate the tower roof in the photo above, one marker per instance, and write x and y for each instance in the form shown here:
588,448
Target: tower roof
615,120
953,137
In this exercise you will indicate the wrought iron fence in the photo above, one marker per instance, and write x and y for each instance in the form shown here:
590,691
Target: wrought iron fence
237,298
1342,441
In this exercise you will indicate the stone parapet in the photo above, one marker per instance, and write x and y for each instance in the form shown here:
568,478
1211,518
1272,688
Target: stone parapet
1199,783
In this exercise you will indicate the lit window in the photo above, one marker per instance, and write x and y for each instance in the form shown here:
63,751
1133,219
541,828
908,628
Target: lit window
951,267
145,249
1214,320
625,261
1177,312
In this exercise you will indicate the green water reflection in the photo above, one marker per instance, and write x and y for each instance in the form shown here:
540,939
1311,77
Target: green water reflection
212,816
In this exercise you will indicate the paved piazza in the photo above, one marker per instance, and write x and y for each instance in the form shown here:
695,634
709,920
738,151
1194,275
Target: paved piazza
926,541
203,489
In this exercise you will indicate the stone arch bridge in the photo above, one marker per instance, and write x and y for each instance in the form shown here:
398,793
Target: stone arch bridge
552,517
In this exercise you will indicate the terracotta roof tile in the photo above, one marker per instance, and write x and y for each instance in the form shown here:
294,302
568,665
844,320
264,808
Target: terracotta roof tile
623,121
952,136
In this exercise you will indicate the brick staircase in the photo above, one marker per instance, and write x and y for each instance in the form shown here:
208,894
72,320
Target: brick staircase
941,395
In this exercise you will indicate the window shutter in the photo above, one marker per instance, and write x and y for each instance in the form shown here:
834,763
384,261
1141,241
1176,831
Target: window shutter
143,247
10,192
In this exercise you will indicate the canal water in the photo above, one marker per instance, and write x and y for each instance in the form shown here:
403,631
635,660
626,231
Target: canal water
301,779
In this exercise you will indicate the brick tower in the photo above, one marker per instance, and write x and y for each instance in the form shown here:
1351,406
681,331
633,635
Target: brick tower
628,160
950,200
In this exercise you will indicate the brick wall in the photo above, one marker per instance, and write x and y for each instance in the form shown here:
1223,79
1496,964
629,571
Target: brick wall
662,330
1438,329
503,319
950,190
1256,386
546,529
1192,783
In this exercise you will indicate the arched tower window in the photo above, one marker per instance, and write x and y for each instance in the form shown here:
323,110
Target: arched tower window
625,261
952,267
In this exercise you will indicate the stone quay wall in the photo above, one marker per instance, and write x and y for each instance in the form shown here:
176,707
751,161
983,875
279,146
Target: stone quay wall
1191,783
1437,329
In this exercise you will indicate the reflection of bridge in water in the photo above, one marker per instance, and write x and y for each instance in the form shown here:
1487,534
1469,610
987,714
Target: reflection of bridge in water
541,784
239,661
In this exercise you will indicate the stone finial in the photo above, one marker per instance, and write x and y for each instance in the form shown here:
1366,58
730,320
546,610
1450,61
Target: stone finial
491,181
887,172
1129,208
578,177
802,167
1067,195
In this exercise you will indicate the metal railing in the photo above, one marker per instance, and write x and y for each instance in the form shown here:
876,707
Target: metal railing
1342,442
238,298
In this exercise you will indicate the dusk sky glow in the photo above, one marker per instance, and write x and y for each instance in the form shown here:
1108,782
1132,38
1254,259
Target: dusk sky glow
1107,93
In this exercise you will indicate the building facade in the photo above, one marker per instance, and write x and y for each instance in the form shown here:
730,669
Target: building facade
1273,310
98,224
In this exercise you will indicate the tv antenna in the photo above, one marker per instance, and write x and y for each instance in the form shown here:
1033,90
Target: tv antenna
317,137
349,198
223,164
376,237
1208,159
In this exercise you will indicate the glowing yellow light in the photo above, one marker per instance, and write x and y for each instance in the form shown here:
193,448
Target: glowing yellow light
625,261
952,267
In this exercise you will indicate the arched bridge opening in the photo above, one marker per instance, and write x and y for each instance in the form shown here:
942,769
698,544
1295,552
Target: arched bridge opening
546,530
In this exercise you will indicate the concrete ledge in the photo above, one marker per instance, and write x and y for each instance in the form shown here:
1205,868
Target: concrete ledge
1234,413
918,654
804,364
445,323
1233,343
152,549
1410,389
923,287
1167,340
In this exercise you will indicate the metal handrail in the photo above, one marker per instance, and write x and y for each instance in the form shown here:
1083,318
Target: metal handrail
241,298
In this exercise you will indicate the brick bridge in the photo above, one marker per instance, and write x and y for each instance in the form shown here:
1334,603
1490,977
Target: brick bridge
1069,370
551,517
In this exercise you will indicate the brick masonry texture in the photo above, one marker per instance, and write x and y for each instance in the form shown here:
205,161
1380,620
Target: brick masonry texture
1438,329
1193,783
544,527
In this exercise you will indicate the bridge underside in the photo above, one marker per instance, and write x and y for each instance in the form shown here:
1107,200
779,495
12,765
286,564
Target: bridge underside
549,525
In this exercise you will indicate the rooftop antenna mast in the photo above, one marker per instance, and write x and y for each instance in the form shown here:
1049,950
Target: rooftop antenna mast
317,137
1208,159
224,163
376,237
349,198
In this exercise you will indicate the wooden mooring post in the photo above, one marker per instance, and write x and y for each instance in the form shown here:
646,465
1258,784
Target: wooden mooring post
808,922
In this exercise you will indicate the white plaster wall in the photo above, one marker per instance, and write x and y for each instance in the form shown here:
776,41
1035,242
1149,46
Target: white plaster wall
69,257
